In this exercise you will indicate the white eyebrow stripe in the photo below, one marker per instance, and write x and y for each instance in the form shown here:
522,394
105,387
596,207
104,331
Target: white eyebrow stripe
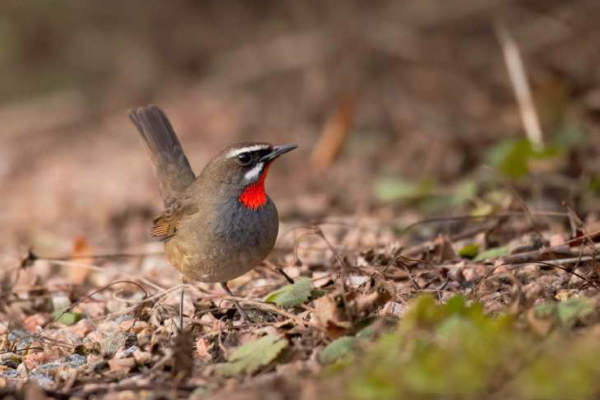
237,152
254,173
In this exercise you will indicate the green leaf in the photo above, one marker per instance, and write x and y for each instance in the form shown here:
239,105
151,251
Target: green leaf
252,355
594,184
469,251
291,295
544,310
512,157
464,192
66,318
339,349
201,391
399,189
456,351
492,254
569,311
482,210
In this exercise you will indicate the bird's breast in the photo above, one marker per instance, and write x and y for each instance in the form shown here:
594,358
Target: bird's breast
224,242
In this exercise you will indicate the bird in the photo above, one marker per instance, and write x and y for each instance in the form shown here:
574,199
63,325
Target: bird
220,224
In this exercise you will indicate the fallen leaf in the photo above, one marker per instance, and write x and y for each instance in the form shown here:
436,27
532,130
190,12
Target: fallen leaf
32,322
334,135
570,311
203,348
251,356
442,250
330,316
339,349
80,252
469,251
291,295
66,318
491,254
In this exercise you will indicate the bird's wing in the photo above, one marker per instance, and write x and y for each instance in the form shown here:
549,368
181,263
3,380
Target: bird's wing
167,224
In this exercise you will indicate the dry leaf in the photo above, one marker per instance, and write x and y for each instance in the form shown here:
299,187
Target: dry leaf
334,135
80,250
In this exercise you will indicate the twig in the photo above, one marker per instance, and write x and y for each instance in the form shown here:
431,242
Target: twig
482,217
103,256
113,270
557,264
418,249
520,84
260,305
344,275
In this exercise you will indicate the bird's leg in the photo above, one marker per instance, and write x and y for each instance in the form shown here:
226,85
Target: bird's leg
237,305
286,276
182,281
181,309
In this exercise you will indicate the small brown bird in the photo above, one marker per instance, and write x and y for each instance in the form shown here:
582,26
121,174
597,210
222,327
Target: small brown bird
221,224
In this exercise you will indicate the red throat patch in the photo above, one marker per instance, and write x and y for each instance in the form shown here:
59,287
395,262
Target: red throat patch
254,196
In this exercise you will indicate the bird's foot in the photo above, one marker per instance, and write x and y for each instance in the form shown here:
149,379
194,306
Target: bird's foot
245,318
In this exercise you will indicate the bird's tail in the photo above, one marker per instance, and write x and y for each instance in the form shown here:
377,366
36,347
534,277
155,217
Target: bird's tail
171,166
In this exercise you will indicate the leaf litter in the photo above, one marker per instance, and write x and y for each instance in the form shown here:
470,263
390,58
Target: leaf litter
494,298
130,338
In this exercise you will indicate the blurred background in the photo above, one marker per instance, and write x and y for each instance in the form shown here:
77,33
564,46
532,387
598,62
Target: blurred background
397,107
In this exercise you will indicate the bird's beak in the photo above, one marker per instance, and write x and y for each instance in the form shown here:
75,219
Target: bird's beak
277,151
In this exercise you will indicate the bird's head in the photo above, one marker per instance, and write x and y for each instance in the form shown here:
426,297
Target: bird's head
241,170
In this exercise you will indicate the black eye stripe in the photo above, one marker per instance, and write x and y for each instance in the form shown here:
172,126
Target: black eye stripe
264,152
246,157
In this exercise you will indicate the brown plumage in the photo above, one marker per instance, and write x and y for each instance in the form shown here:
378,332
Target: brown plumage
221,224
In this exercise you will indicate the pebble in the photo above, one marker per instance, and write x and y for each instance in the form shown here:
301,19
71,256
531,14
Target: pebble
116,341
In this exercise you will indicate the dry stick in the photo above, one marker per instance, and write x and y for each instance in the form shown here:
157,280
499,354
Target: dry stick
520,84
556,264
64,261
136,306
101,256
550,263
39,335
297,245
68,309
23,349
344,272
258,304
268,307
591,245
32,258
98,388
418,249
536,255
110,269
159,364
525,208
484,217
312,227
273,309
593,235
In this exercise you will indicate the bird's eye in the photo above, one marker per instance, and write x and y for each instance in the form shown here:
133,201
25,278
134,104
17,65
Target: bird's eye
244,159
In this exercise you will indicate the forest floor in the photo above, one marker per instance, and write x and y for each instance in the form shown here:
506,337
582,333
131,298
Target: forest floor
437,250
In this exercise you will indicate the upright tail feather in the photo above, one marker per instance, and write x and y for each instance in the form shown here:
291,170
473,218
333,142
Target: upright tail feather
171,166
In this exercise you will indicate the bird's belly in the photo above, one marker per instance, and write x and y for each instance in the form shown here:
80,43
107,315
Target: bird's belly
226,247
